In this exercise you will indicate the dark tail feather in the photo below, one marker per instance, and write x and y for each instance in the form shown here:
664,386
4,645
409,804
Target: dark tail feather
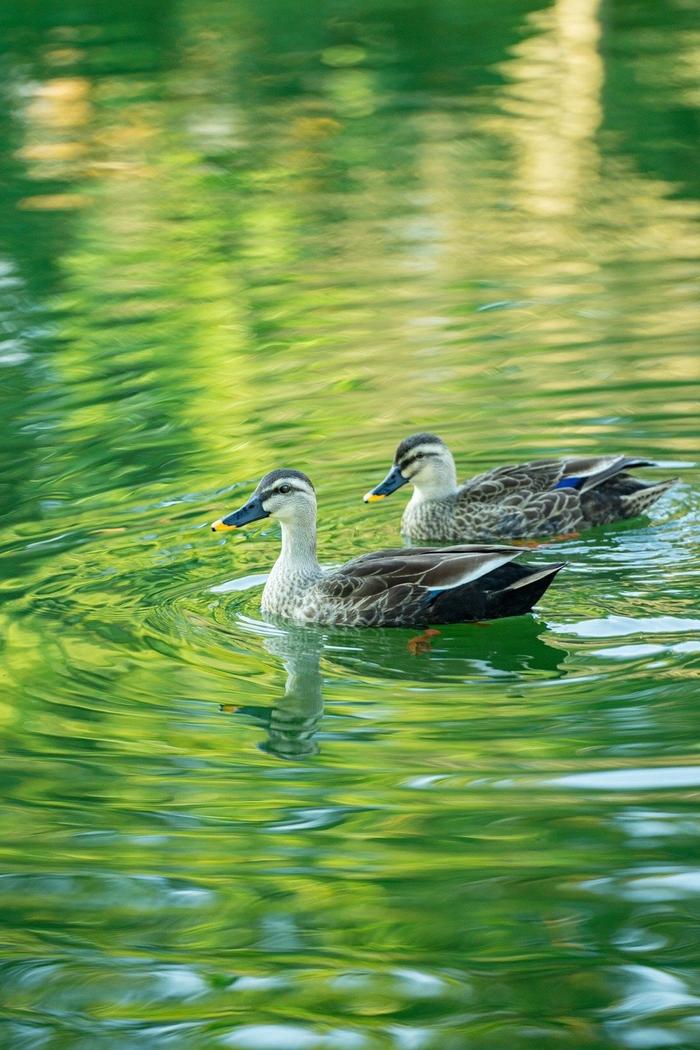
520,596
510,590
616,467
638,502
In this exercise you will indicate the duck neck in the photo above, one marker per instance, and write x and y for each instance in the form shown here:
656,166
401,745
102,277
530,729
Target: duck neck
296,569
298,554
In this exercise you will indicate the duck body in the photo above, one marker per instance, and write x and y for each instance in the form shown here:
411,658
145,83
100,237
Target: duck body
526,500
413,587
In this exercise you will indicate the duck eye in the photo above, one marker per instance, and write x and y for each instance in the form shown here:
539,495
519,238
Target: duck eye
284,489
419,455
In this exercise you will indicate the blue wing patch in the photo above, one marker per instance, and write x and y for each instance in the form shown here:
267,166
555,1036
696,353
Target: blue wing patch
569,483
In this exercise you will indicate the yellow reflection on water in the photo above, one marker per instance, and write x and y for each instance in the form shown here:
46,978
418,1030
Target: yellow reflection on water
556,80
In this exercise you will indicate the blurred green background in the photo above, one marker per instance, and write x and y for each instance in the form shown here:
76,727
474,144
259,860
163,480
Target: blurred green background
236,236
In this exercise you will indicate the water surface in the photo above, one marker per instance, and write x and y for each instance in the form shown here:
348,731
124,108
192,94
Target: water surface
241,236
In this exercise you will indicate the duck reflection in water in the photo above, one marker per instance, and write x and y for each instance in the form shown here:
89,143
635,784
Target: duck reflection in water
292,721
510,650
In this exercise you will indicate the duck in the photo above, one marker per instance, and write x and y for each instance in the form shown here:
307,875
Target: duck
549,497
402,587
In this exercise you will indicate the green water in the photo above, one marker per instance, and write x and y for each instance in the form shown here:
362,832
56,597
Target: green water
237,236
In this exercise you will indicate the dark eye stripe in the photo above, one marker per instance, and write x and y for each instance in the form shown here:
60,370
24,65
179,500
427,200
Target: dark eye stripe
413,459
276,492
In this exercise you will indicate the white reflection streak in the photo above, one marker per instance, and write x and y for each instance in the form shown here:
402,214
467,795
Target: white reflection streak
649,779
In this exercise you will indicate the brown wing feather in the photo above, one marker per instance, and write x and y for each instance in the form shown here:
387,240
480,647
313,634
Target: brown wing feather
527,479
536,476
544,512
413,571
408,553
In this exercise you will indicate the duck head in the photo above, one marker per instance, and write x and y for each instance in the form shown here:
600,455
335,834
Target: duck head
285,494
424,461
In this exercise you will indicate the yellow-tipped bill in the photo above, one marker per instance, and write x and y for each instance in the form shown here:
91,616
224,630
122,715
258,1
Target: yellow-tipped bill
220,526
252,511
393,481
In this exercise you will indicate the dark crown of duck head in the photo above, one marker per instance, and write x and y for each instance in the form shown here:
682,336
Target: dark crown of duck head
267,483
404,452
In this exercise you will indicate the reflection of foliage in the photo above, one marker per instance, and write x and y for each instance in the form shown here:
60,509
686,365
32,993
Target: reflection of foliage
242,183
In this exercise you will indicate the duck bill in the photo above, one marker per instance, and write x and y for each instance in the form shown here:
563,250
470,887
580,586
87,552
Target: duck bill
252,511
393,481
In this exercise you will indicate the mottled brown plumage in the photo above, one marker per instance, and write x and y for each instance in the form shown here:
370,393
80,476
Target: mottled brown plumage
427,585
540,498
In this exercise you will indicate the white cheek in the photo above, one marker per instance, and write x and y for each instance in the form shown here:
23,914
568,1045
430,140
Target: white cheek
284,510
425,469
